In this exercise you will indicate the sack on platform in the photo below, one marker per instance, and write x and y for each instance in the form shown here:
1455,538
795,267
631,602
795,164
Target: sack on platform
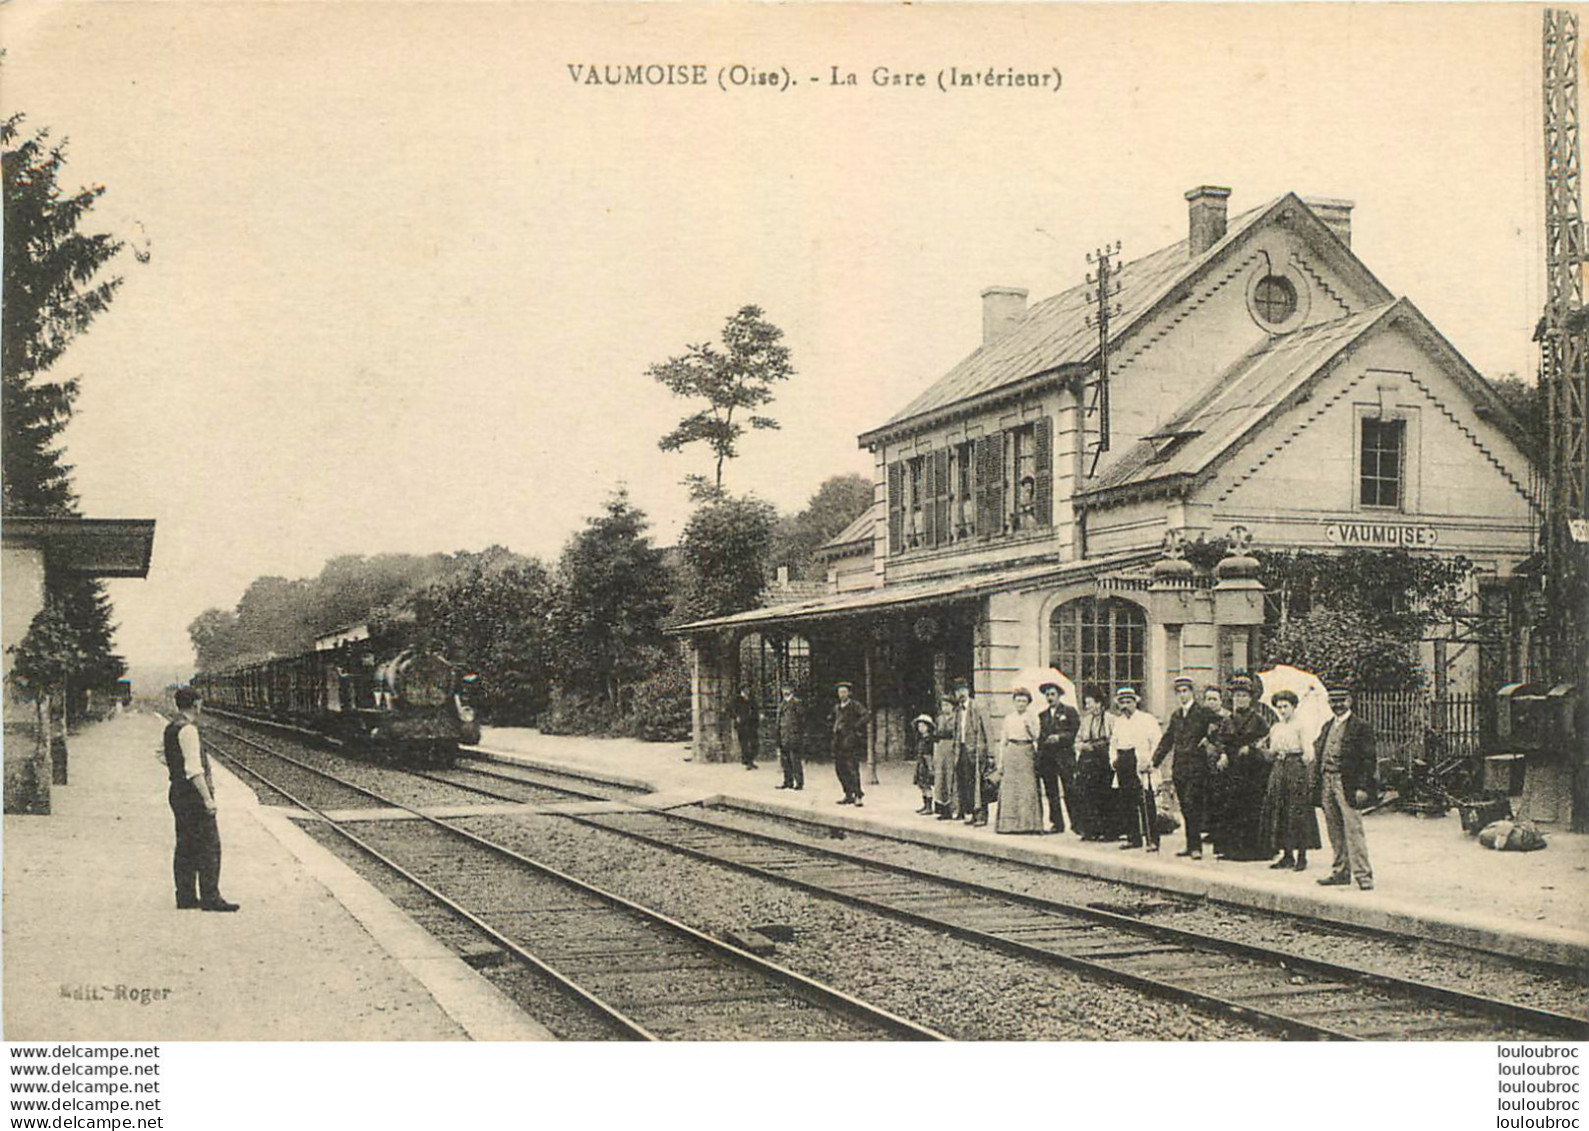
1164,823
990,790
1512,836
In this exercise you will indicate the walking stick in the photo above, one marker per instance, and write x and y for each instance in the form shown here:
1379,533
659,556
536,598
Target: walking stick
1145,808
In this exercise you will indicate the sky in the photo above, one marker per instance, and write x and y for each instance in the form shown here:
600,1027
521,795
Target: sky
406,272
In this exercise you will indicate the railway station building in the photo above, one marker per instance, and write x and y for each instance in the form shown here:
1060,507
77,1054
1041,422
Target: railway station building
33,550
1265,391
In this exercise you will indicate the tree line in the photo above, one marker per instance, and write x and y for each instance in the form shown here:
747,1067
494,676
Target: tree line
56,284
578,645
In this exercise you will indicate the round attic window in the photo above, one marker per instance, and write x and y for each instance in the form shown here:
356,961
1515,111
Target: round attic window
1274,299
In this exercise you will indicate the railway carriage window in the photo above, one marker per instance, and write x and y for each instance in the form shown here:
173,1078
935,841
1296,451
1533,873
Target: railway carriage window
1099,640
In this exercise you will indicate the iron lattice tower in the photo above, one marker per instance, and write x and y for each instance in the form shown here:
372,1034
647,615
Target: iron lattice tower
1564,354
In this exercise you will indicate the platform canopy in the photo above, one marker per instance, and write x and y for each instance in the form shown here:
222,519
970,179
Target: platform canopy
910,594
86,547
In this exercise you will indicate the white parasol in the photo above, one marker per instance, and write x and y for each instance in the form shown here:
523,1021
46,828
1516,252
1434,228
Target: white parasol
1029,678
1313,700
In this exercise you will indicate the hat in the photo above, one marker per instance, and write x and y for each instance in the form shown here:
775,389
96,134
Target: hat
1021,689
961,681
928,719
1242,682
1127,693
844,683
186,697
1339,691
1047,683
1185,681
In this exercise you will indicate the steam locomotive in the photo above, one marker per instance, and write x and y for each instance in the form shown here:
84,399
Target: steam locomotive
410,706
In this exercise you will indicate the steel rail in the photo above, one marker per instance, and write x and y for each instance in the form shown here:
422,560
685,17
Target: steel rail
611,1013
1529,1016
809,988
1525,1016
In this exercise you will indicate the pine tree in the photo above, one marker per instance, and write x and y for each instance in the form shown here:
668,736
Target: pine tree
612,593
53,290
52,293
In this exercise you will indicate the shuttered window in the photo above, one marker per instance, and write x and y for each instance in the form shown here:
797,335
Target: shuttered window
984,488
963,503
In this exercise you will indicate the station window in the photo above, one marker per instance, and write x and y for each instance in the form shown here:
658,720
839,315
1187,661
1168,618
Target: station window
962,477
1275,299
1100,640
1380,468
914,497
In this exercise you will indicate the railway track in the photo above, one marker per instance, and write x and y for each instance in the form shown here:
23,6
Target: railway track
647,976
1287,993
1283,992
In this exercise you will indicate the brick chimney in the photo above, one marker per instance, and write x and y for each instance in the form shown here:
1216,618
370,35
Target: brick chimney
1206,218
1336,214
1002,308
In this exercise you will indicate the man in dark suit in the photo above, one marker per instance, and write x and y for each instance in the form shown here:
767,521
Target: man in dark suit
1056,753
973,754
747,727
791,733
1183,737
849,743
1347,779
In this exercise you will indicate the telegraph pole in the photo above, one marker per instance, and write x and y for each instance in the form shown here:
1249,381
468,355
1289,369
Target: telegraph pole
1106,287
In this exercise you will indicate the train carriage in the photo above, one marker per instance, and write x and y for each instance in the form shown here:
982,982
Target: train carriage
408,706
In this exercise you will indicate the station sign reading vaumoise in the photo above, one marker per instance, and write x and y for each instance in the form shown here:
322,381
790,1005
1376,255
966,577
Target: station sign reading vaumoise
1380,534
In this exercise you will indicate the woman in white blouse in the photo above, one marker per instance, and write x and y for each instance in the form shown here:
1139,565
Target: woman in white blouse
1020,802
1289,824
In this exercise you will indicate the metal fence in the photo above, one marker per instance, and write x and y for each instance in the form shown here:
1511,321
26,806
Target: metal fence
1412,725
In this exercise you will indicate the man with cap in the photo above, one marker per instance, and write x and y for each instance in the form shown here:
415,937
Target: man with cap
791,733
196,861
848,720
1347,779
973,753
1135,736
1183,739
1056,753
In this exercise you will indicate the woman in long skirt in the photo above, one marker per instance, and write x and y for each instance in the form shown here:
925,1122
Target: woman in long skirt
1289,825
925,738
1020,801
1095,820
1242,774
945,783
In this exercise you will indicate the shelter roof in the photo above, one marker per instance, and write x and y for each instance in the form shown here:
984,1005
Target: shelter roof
912,594
87,547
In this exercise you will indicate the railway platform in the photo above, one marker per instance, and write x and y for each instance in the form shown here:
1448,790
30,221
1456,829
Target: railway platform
95,949
1432,881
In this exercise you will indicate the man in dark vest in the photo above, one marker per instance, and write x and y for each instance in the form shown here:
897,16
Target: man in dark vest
849,743
791,734
1347,779
1183,737
1056,754
196,863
